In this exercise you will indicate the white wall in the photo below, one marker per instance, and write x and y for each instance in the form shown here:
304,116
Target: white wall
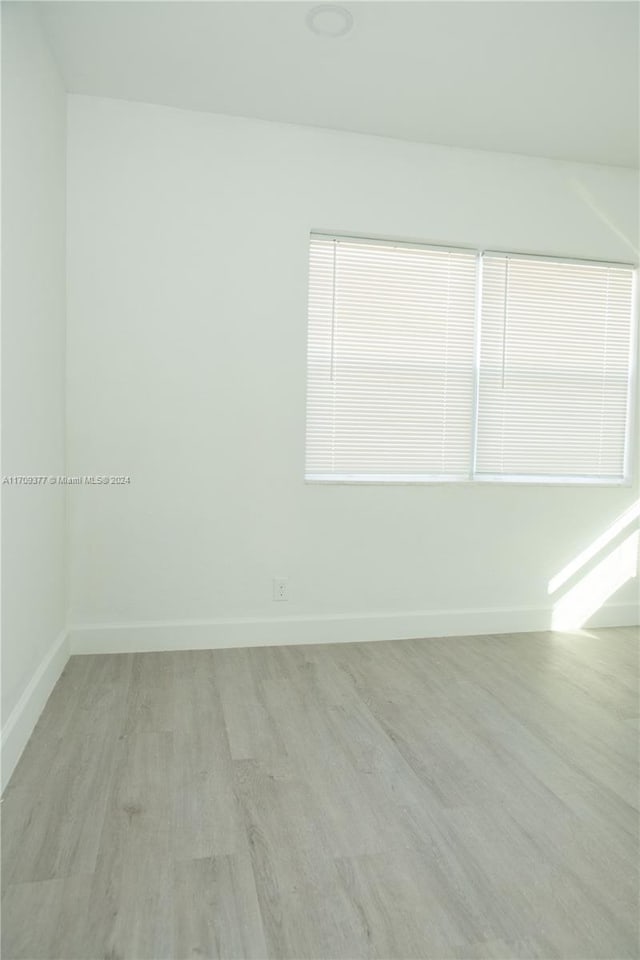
33,366
187,254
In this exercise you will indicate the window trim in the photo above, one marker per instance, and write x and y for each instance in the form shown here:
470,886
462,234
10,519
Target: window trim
473,477
579,261
633,397
391,242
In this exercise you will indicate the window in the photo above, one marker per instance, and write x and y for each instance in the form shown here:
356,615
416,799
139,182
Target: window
428,363
390,368
554,369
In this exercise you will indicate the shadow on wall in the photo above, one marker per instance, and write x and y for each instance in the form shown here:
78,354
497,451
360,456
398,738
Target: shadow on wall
616,554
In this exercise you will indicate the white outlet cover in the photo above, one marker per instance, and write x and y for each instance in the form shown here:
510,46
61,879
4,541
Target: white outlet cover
280,589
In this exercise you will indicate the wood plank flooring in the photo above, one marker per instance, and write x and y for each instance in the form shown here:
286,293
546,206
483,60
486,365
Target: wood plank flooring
456,798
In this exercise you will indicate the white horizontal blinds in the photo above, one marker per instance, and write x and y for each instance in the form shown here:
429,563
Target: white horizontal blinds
390,360
554,368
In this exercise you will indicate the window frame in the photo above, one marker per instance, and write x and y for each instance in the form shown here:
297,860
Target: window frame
632,418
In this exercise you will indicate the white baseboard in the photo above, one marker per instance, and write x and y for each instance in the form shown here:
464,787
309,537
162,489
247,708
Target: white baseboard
147,636
25,714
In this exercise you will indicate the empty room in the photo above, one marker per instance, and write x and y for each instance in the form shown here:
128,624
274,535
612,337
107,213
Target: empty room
320,480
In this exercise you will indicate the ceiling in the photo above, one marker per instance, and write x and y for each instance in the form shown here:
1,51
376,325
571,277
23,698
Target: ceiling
555,79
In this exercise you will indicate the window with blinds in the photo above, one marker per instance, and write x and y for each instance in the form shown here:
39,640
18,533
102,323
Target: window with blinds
428,363
390,361
555,349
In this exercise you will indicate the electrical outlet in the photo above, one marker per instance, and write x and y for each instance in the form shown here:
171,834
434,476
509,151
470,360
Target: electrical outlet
281,588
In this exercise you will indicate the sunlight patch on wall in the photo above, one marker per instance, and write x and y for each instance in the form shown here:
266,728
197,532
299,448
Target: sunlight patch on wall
597,586
594,548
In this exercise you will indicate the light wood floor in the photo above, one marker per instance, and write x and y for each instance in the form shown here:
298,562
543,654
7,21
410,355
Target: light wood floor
460,798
